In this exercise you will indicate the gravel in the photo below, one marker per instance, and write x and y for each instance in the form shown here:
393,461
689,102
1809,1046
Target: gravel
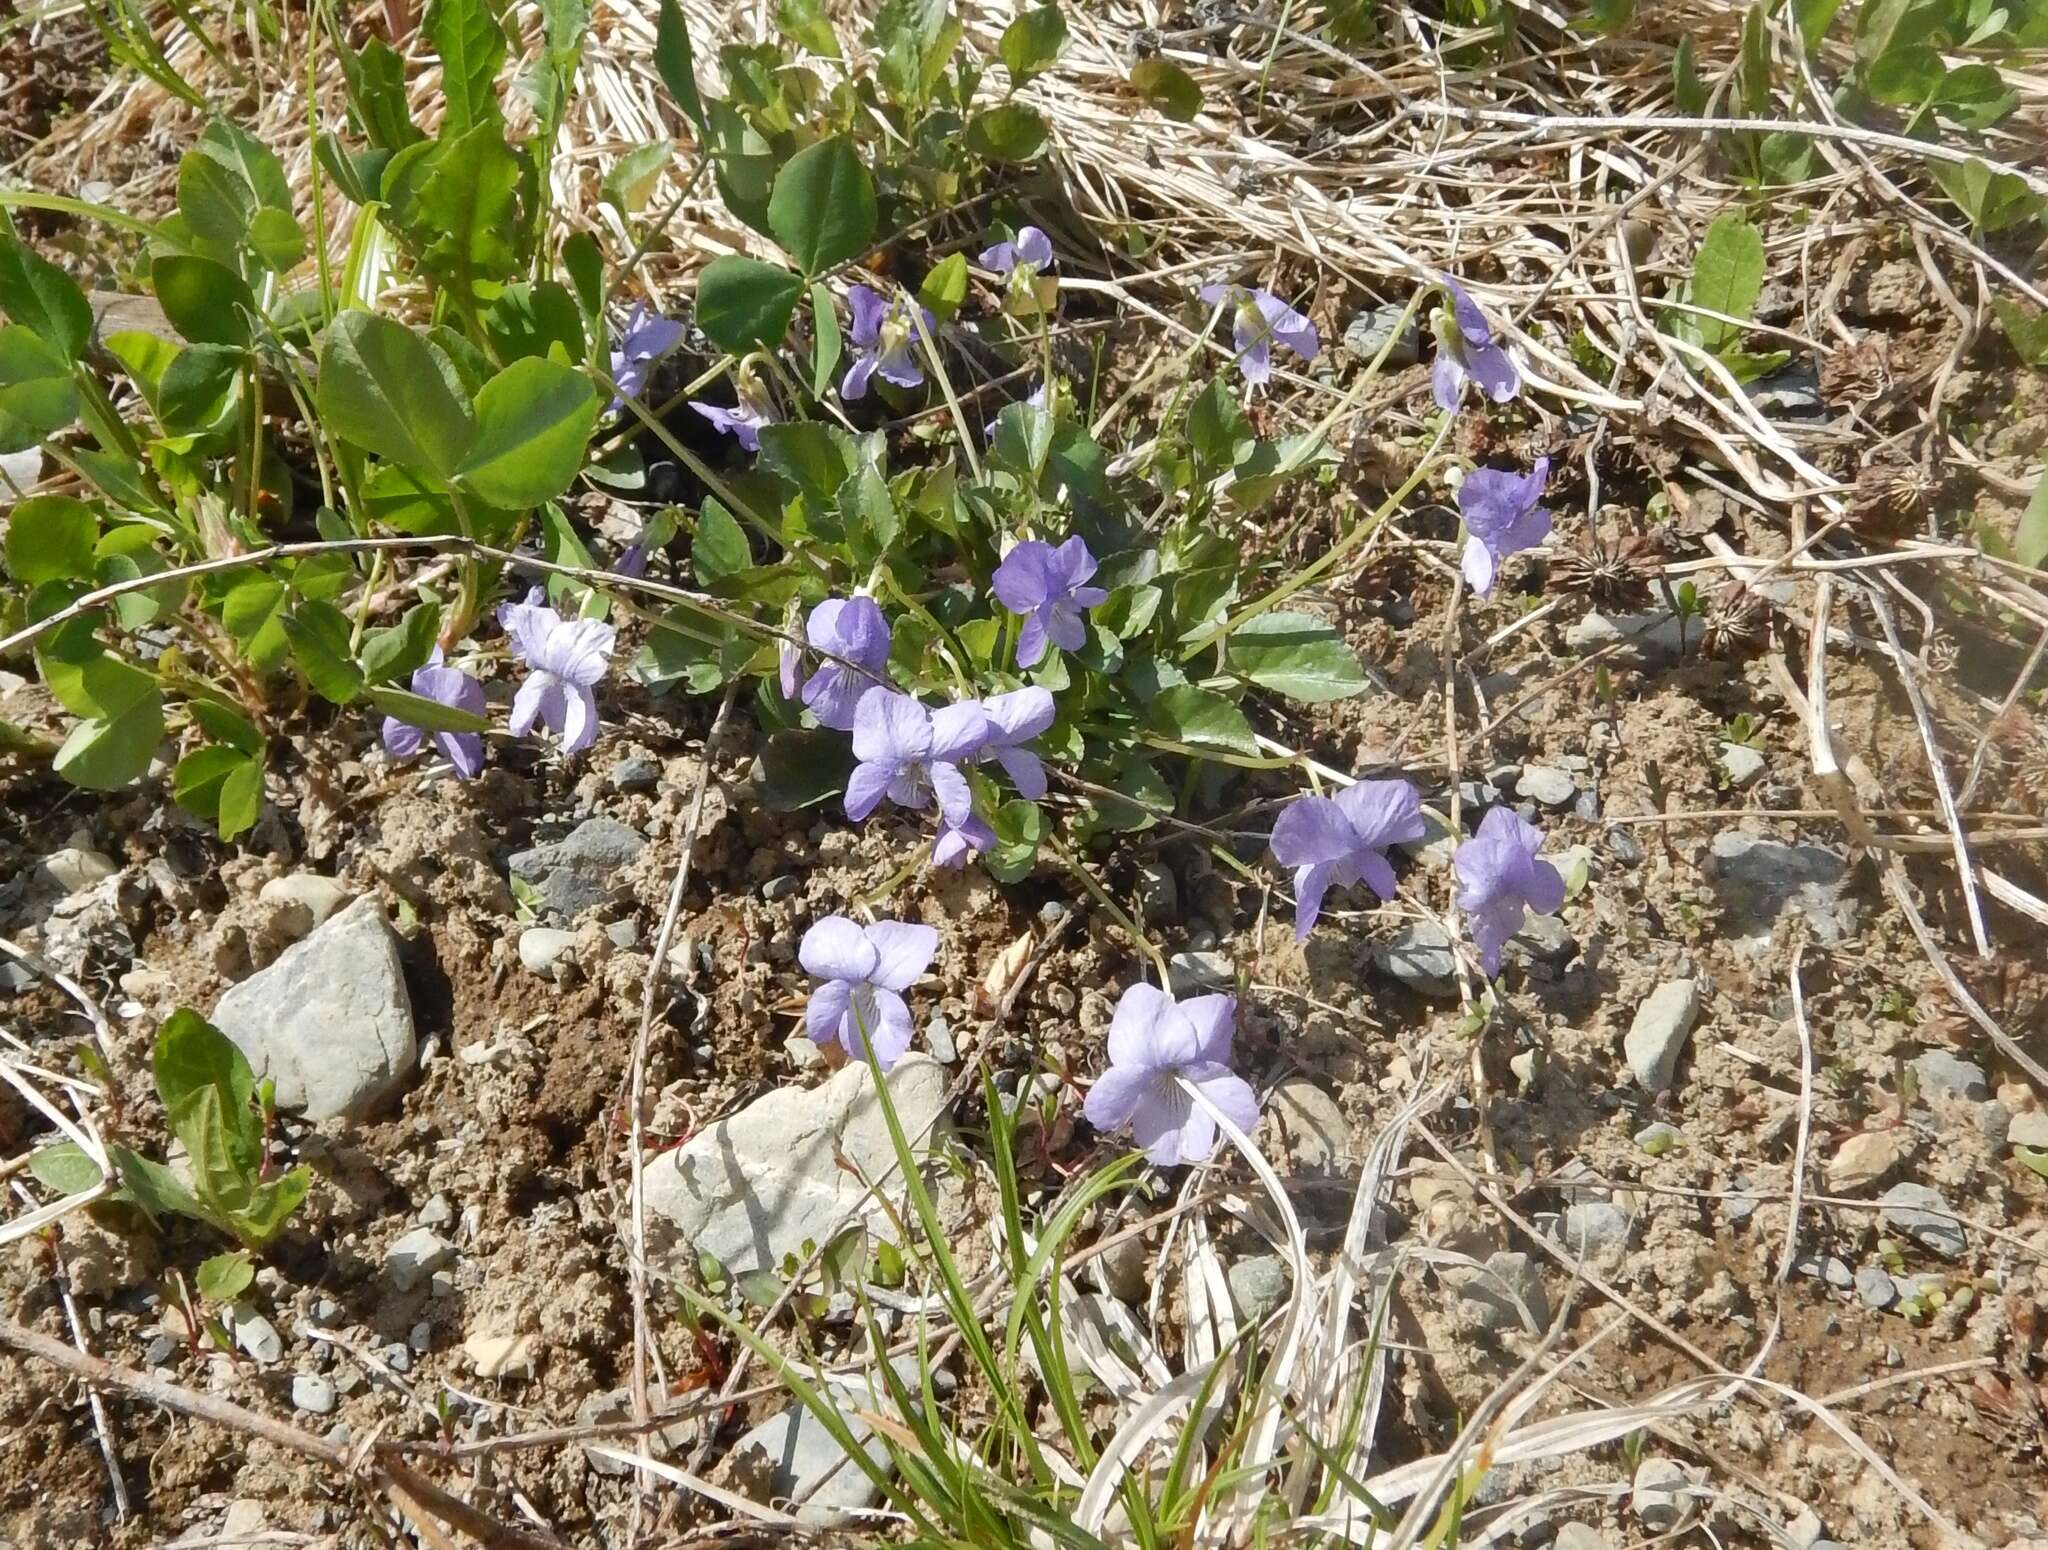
414,1258
1657,1037
313,1393
1924,1216
1257,1286
581,871
1757,881
1419,956
1546,784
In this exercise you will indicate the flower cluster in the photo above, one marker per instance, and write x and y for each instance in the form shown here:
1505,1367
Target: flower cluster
1499,508
567,658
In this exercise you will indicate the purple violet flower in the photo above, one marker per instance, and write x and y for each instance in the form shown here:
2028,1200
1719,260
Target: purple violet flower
1154,1042
1342,840
865,970
958,841
1013,720
1465,347
1259,318
1030,249
458,691
745,419
568,657
1501,518
855,629
1499,876
884,342
1045,585
911,755
645,339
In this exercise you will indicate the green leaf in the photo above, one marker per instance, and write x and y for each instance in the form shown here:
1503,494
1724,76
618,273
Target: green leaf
51,538
1146,797
2030,542
744,304
105,753
64,1168
633,176
84,678
471,43
241,799
825,346
1753,64
376,92
1022,440
1688,90
225,1277
319,636
945,287
699,653
1974,96
744,164
1608,17
214,198
804,22
533,425
194,395
154,1187
252,611
1814,18
823,207
207,302
1011,131
192,1056
1167,87
1032,42
801,767
535,319
2034,1160
467,201
1296,655
1217,429
398,650
1992,200
1727,277
37,397
675,63
224,724
388,391
1202,719
583,262
416,710
1906,77
869,514
719,546
200,781
37,294
269,1205
1020,827
813,458
277,239
2026,332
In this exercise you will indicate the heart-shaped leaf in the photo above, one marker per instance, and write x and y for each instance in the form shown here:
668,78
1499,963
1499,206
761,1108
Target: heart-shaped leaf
533,425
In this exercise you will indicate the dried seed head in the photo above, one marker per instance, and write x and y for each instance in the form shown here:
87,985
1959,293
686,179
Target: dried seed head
1614,573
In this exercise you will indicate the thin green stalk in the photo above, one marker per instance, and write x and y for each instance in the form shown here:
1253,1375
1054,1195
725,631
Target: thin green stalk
960,426
1116,913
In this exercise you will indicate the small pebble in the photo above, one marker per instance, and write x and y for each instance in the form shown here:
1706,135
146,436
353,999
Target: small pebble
1826,1267
1943,1075
158,1352
397,1356
1658,1139
781,887
1625,847
938,1038
623,934
437,1212
2029,1129
416,1256
1874,1285
1052,912
313,1393
542,948
421,1339
635,773
1546,784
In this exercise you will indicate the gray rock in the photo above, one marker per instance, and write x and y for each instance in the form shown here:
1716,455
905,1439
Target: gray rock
1874,1285
1626,848
1127,1270
1826,1267
1757,880
1370,329
1546,784
397,1356
2029,1129
1795,390
1594,1227
1158,894
635,772
1657,1037
1744,766
791,1457
617,1405
1660,1498
581,871
938,1038
1257,1286
1741,1202
1312,1131
421,1337
159,1351
1188,973
782,887
72,868
543,948
1942,1075
1651,637
803,1052
1419,956
329,1021
314,1393
1508,1283
1659,1138
414,1258
255,1334
306,901
1922,1215
1543,939
623,934
439,1211
1580,1536
757,1184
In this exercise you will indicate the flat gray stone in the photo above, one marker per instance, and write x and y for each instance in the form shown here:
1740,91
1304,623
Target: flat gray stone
72,868
1509,1283
1756,881
1876,1288
1189,973
1830,1268
414,1258
1925,1217
1370,329
1257,1286
1419,956
1543,939
1546,784
306,900
1660,1495
1651,637
314,1393
1943,1075
1743,765
255,1334
1656,1038
1312,1131
635,772
580,872
1594,1227
760,1182
1580,1536
330,1021
791,1457
1158,894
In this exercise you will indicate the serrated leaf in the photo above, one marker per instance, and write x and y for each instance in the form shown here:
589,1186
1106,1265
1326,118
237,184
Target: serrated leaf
823,208
471,43
1296,655
744,304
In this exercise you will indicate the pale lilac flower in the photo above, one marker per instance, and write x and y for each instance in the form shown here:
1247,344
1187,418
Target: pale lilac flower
1013,720
912,755
865,970
753,410
1030,250
645,339
458,691
1465,347
568,657
1045,585
884,342
1501,518
1500,875
1342,840
958,841
1154,1043
632,560
1258,318
855,629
